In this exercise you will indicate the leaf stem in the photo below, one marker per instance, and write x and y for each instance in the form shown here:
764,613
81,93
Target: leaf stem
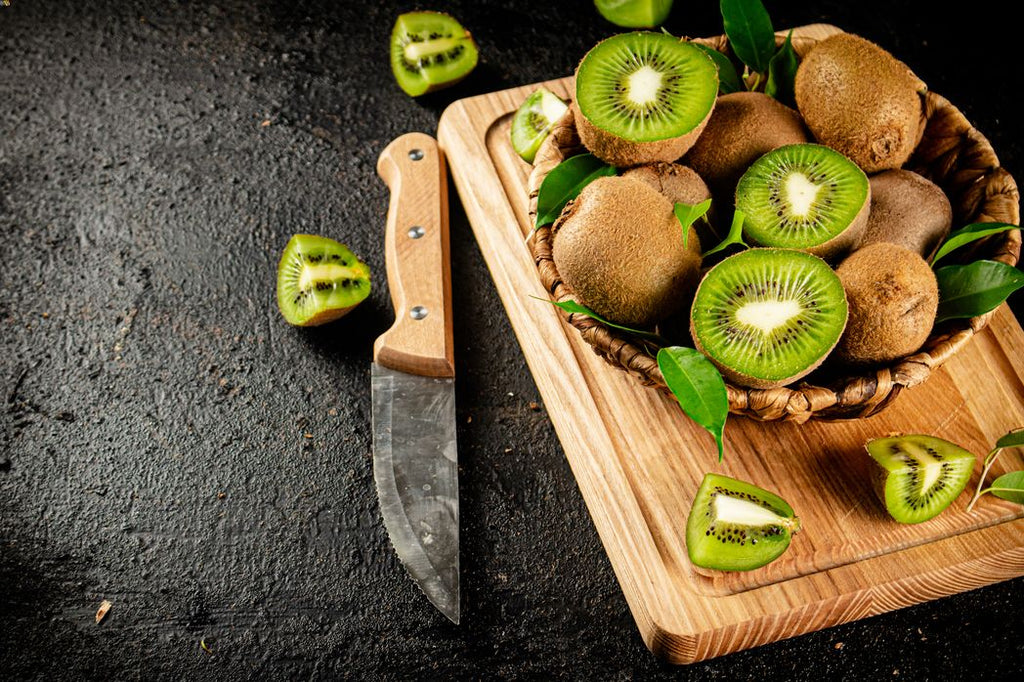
990,459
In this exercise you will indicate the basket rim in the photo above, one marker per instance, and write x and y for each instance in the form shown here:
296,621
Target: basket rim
861,393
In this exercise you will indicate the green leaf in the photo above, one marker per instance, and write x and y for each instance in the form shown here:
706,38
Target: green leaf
966,235
750,32
1013,439
634,13
564,182
728,78
782,73
687,215
975,289
1009,487
574,307
699,388
735,235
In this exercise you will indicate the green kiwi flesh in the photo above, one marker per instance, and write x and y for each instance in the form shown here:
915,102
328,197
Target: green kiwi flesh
737,526
767,317
804,196
920,475
533,121
634,13
643,97
430,51
319,280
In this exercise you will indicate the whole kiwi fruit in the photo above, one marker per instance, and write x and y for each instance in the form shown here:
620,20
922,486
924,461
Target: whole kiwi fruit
909,210
893,296
743,127
859,99
679,184
620,248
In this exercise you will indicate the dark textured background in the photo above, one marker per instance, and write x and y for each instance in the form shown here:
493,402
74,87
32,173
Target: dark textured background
168,443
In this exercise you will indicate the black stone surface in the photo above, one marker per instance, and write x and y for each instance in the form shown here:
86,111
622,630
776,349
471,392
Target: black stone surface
169,444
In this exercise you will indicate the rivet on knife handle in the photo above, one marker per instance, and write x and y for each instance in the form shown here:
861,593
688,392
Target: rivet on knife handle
416,248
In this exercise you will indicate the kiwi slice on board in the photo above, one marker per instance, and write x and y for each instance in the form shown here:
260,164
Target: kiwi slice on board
737,526
920,475
767,317
319,280
643,97
634,13
804,196
430,51
533,121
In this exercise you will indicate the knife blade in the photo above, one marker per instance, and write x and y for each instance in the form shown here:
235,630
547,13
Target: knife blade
415,455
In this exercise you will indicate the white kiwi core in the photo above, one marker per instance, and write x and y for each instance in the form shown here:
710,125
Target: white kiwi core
744,512
930,467
801,193
644,85
767,315
324,273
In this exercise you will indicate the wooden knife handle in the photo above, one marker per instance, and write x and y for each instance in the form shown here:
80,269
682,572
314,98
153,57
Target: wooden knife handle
416,252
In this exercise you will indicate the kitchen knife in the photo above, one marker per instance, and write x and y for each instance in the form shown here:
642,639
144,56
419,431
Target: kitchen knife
415,463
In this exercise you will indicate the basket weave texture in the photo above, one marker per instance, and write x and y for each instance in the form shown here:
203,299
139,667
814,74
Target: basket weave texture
951,153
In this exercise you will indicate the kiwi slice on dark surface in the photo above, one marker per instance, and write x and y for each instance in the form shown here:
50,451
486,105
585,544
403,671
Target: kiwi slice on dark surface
634,13
643,97
804,196
430,51
920,475
532,122
737,526
319,280
767,317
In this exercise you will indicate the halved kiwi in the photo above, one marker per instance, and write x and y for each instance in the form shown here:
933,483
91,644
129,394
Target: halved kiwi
767,317
737,526
804,196
430,51
319,280
920,475
532,122
643,97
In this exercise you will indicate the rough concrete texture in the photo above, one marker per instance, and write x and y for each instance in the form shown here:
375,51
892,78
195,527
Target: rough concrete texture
169,444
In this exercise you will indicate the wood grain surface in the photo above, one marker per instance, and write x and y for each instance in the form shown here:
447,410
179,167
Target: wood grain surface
638,460
417,259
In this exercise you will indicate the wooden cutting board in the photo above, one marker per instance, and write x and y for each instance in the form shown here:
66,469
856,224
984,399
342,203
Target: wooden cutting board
638,460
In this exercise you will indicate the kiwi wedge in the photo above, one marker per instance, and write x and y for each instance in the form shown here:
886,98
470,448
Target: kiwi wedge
804,196
532,122
319,280
643,97
737,526
430,51
767,317
634,13
919,475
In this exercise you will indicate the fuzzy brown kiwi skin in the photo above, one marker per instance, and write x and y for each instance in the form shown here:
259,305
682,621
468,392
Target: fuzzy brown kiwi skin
860,100
909,210
742,127
739,378
679,184
619,247
892,296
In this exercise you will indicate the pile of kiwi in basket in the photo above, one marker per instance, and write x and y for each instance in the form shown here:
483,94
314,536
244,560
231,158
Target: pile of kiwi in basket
840,235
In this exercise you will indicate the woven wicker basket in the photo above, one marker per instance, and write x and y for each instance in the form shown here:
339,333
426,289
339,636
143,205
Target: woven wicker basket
951,154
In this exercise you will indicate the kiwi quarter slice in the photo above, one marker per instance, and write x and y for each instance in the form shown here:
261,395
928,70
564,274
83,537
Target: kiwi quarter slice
319,280
643,97
737,526
804,196
430,51
767,317
533,121
920,475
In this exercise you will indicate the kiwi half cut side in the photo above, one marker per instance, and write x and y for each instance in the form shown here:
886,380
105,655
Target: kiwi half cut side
737,526
319,280
804,196
430,51
920,475
532,122
767,317
643,97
